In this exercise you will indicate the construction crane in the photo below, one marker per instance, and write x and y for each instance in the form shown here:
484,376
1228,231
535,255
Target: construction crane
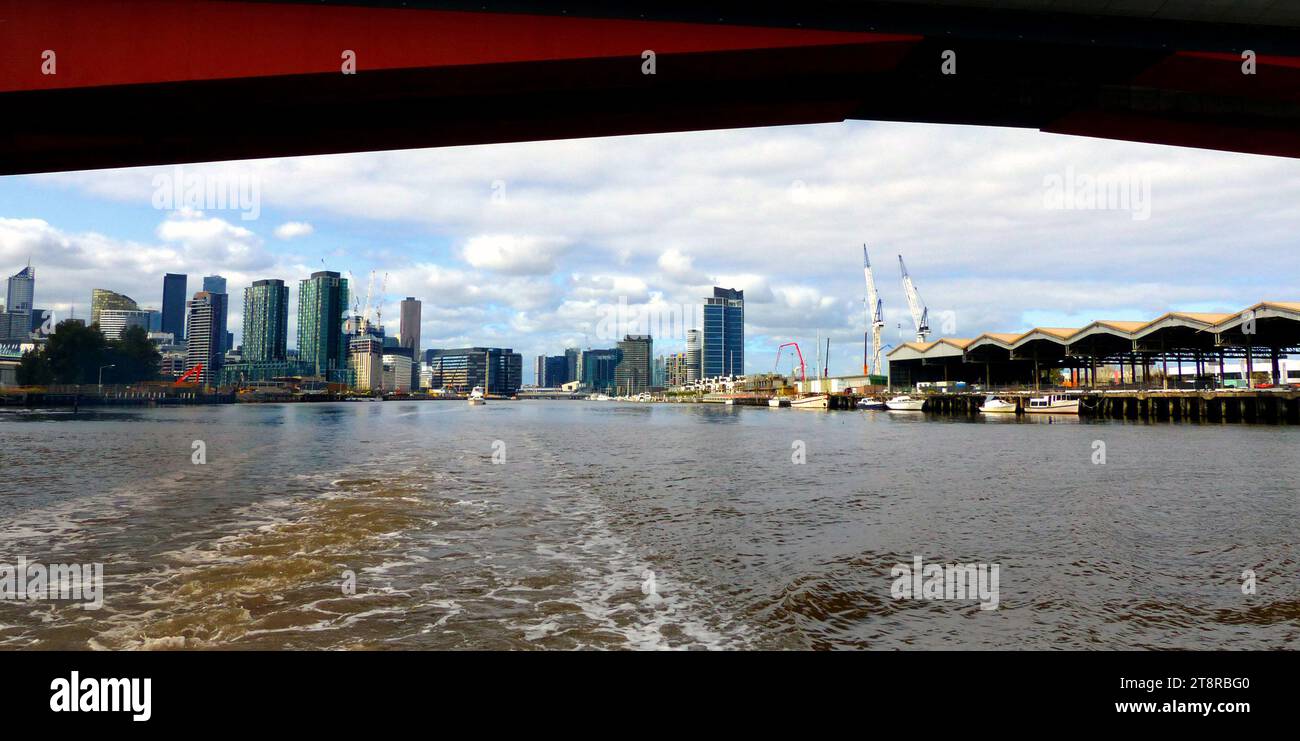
379,306
191,376
362,327
874,312
920,314
803,376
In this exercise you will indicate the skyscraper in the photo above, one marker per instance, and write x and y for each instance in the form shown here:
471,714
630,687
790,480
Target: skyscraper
633,373
571,363
202,319
552,370
596,368
723,351
217,284
173,306
694,344
21,291
266,321
102,298
409,331
16,317
322,303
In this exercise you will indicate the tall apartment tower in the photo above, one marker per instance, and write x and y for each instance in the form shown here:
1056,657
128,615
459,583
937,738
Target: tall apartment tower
173,305
202,325
724,334
322,304
217,284
633,375
409,332
694,351
266,321
571,364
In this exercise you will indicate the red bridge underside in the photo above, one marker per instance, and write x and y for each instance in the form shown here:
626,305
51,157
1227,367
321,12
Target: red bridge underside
152,82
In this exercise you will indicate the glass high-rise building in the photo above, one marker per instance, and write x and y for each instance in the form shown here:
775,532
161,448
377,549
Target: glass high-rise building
596,368
322,304
552,371
21,291
694,352
17,315
173,304
497,370
217,284
723,347
202,320
634,373
409,331
266,321
102,298
571,364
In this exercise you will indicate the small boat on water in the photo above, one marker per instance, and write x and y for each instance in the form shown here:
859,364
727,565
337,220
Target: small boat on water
812,401
994,405
905,403
777,403
477,396
1052,404
599,397
871,404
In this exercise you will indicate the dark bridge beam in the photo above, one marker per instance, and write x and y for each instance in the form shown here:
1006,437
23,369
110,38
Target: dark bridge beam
165,81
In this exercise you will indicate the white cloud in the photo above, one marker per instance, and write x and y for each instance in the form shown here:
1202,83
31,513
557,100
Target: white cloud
513,254
291,229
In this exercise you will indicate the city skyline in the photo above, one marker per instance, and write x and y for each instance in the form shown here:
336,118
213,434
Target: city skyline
264,337
511,245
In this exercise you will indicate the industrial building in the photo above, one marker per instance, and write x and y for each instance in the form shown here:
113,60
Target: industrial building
1109,353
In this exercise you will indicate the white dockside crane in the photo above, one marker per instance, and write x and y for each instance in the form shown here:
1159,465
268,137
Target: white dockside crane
920,314
874,312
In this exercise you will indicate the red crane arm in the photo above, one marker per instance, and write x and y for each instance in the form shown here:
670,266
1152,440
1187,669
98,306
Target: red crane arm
802,374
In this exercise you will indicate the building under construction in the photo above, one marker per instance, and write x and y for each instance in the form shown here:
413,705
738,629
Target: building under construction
1256,338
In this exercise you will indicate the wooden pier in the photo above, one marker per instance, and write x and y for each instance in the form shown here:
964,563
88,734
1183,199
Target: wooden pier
1270,406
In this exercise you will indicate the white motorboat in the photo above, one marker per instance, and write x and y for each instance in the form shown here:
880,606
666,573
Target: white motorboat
1052,404
812,401
905,404
477,396
993,405
870,404
778,403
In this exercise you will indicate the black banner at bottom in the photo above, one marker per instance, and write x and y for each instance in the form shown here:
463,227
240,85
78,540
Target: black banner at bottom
333,690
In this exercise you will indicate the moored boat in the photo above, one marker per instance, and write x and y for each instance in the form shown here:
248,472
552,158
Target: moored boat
905,403
1052,404
871,404
812,401
993,405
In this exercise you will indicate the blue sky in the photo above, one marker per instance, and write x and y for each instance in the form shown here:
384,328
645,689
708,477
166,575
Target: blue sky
530,245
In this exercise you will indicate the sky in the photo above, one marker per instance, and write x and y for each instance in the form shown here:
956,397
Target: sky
535,246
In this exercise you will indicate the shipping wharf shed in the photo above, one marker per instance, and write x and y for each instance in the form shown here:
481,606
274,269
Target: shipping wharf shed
1257,336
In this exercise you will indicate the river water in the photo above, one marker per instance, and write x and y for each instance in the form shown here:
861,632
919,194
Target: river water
562,525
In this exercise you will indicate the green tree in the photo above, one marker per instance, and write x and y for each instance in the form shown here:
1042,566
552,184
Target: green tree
34,369
135,358
75,352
